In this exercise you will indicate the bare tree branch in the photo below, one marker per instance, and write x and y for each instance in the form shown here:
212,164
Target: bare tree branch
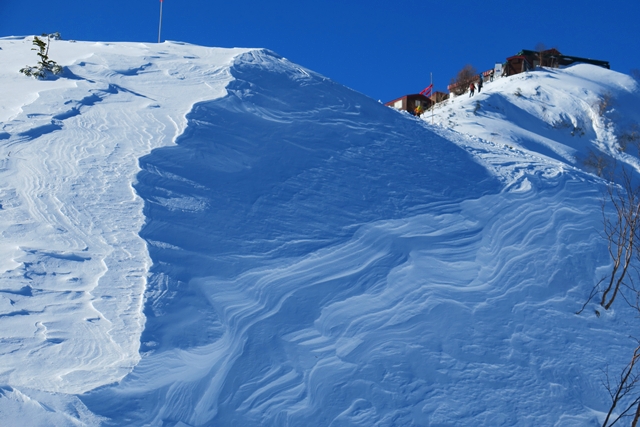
627,383
620,230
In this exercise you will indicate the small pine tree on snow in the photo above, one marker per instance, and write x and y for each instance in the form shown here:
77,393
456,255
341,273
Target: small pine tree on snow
45,65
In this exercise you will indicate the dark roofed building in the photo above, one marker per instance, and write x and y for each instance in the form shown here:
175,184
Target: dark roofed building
410,102
527,60
439,97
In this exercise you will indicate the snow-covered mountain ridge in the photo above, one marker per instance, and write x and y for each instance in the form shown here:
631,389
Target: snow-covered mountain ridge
561,114
197,236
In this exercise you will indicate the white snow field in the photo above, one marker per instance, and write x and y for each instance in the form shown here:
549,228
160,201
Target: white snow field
195,236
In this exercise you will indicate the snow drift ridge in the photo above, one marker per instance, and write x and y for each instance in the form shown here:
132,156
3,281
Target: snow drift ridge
307,255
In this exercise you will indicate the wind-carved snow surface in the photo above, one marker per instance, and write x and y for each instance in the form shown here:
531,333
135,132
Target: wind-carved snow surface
349,268
239,282
73,267
314,258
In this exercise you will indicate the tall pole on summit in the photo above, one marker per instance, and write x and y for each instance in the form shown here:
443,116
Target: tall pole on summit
160,26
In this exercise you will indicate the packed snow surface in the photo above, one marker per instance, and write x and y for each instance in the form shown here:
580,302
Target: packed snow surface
212,237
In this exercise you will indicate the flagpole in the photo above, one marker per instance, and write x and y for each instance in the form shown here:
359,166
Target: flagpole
160,25
433,106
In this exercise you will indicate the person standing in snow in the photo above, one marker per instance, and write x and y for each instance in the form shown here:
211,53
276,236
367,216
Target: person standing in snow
418,111
472,89
479,82
491,76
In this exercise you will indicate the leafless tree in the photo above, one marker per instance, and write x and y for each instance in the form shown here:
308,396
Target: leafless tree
621,233
460,83
621,223
630,137
620,391
597,163
541,48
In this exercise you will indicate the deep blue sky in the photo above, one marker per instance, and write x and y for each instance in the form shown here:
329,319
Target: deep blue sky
382,48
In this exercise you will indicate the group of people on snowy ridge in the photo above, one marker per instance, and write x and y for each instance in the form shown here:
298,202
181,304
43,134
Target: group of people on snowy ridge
418,111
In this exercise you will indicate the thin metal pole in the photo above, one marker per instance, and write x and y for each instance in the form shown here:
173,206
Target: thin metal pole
433,106
160,26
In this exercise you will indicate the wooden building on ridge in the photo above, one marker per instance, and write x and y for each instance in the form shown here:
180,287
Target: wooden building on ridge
410,102
526,60
439,97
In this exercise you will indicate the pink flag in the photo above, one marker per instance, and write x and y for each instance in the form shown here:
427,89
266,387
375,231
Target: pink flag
427,90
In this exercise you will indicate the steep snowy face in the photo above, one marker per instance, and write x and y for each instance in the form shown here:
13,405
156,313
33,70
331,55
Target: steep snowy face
317,256
255,223
72,265
252,171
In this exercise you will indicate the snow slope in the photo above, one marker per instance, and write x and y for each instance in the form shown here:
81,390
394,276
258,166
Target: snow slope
73,265
555,114
197,236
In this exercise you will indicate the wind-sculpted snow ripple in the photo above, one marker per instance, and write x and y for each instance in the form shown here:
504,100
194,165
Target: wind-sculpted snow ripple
73,268
390,327
345,267
275,182
58,261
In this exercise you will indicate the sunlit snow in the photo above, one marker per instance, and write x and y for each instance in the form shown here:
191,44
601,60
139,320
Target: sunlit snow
195,236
